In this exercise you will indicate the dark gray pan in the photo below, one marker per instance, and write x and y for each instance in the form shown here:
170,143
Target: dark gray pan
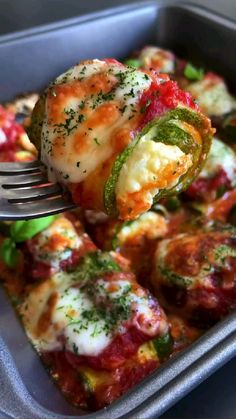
28,60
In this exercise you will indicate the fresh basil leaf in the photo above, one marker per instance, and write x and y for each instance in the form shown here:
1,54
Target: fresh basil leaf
9,252
163,346
133,62
24,230
193,73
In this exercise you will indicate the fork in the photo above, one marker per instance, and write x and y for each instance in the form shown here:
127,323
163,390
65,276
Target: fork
25,192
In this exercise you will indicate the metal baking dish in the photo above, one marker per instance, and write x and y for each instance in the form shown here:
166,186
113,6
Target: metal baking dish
29,60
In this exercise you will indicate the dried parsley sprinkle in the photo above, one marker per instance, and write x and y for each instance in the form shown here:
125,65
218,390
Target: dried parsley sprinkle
82,104
83,70
71,123
122,110
75,349
131,93
147,104
81,118
96,141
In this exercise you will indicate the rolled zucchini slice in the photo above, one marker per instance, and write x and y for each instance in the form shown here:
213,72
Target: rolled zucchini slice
212,95
119,138
193,273
154,57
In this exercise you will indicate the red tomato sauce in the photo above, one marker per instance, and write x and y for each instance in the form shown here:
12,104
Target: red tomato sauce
116,353
206,189
162,97
117,381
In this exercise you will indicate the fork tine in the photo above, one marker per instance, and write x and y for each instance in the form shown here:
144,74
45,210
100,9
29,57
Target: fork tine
35,209
31,194
14,168
23,180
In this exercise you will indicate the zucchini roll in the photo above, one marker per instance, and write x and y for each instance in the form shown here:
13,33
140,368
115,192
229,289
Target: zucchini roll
135,240
57,247
119,138
194,273
153,57
97,328
213,96
217,176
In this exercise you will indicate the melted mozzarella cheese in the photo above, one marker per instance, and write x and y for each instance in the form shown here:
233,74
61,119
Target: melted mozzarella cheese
159,58
85,329
212,96
220,157
151,166
150,224
56,243
80,139
61,313
214,257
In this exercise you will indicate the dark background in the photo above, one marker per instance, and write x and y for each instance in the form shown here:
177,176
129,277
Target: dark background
216,397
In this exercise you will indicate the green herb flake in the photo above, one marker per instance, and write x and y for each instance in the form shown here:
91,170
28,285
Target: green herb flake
96,141
193,73
133,62
75,349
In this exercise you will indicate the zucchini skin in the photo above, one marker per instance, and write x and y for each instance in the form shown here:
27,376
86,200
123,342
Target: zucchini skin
167,132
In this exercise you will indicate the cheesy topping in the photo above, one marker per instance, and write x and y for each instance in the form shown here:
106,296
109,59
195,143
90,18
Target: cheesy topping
150,224
212,95
200,266
150,167
85,317
158,59
56,242
223,157
86,109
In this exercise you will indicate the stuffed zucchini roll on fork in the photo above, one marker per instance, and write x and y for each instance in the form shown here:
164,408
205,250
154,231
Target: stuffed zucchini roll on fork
119,138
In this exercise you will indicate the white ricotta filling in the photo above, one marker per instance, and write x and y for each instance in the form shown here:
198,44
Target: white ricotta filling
146,165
